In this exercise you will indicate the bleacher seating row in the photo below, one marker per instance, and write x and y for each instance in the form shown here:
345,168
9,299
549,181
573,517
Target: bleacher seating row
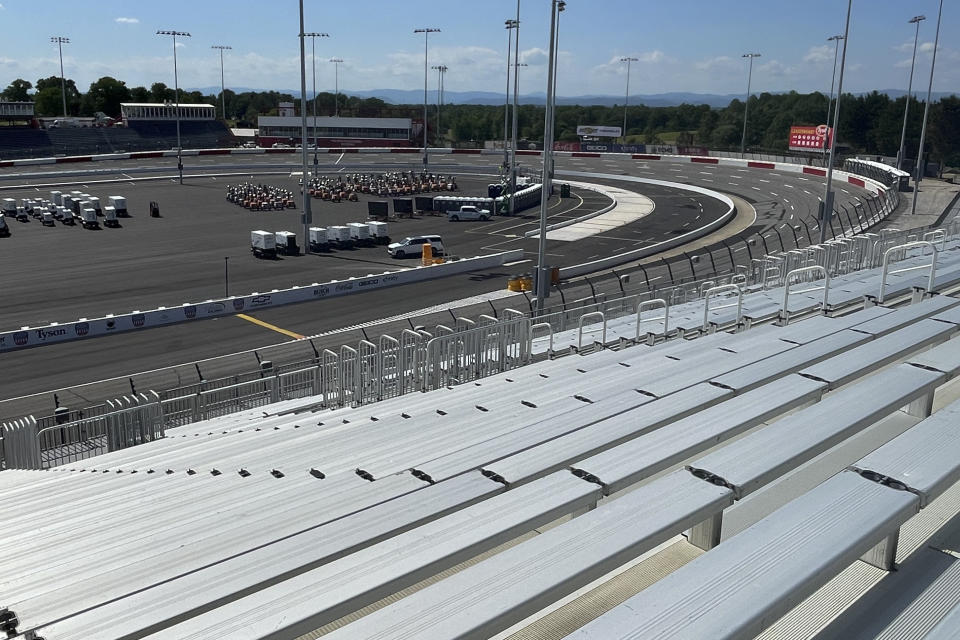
276,527
16,142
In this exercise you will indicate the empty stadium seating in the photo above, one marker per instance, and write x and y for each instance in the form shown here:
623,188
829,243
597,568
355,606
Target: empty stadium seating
461,511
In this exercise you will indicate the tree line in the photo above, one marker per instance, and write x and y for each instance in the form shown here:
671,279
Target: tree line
868,124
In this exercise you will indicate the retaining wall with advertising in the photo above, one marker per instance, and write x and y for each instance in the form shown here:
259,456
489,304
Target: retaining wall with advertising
64,332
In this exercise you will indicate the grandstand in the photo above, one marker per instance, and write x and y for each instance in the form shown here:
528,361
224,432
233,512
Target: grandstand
791,429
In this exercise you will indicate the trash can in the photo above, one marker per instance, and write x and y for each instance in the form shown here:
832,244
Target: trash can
564,190
154,210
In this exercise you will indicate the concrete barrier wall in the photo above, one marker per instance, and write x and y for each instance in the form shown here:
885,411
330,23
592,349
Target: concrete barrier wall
188,312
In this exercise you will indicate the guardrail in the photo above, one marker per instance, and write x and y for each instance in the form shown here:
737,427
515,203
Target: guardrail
64,332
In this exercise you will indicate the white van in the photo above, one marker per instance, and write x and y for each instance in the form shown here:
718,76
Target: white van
413,246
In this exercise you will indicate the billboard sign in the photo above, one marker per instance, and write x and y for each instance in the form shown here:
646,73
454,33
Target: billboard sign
810,138
598,131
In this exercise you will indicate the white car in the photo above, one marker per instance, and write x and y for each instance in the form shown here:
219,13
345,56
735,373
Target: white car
468,212
413,246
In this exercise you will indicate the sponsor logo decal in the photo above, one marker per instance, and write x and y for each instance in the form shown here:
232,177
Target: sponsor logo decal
260,301
81,328
138,319
238,304
190,312
20,338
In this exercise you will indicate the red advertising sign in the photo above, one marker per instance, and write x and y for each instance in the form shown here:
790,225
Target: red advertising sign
810,138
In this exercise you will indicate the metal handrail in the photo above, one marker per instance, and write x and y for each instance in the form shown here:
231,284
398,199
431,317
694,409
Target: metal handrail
716,291
592,314
904,248
785,309
652,304
541,325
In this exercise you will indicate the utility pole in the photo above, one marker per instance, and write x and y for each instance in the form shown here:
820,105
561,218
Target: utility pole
60,40
626,99
426,31
921,165
827,204
746,105
223,98
906,110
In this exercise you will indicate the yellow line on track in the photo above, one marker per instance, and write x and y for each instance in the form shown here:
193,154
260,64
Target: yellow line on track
267,325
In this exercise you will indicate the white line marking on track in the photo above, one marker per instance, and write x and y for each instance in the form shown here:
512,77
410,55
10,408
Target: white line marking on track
340,158
515,262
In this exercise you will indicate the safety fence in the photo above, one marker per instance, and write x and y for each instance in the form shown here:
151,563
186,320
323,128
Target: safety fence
30,444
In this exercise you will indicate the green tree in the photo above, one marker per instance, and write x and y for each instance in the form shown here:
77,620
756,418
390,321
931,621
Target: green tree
17,90
139,94
105,95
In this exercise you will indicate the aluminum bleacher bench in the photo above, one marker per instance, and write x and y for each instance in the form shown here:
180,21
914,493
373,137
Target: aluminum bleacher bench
159,534
760,457
300,584
538,452
651,449
500,591
948,628
879,352
753,578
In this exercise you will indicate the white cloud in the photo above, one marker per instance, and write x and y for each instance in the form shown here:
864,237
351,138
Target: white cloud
720,62
534,57
127,20
816,55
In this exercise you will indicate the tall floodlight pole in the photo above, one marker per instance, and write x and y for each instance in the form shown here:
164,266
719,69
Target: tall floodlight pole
516,115
903,134
626,99
60,41
833,79
336,84
746,104
441,69
223,97
921,165
313,35
305,152
508,24
827,204
426,31
543,271
176,94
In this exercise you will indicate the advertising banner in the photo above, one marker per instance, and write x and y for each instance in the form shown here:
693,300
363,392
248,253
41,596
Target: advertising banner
566,146
598,131
810,138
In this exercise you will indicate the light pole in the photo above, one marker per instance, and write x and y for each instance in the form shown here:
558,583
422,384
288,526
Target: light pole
543,278
426,31
223,98
516,114
336,84
441,69
226,276
60,41
746,105
313,35
906,110
176,94
827,204
921,165
305,152
508,25
626,99
836,50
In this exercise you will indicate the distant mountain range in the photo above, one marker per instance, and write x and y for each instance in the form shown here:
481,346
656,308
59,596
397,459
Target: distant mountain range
414,96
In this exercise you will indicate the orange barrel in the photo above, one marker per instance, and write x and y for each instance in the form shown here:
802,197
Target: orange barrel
554,275
513,284
427,258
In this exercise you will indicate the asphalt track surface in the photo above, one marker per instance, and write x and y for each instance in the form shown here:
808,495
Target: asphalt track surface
88,273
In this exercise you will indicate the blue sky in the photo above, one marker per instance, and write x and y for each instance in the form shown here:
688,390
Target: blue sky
683,45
